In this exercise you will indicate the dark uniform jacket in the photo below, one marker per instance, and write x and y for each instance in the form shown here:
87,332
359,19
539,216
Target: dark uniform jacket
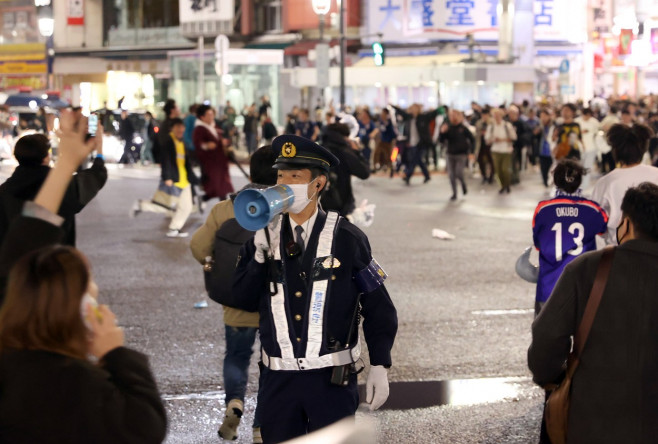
352,250
168,162
24,185
614,394
352,163
47,398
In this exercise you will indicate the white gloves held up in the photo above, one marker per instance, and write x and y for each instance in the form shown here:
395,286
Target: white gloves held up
377,387
261,244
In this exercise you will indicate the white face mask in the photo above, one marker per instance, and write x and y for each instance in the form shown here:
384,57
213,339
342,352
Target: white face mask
301,200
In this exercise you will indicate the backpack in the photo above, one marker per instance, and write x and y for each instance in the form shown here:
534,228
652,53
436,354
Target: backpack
229,239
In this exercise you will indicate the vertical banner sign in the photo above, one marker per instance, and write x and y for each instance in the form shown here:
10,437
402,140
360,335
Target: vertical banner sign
76,12
625,39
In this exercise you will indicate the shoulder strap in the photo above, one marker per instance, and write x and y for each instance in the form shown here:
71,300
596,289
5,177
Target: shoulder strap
594,300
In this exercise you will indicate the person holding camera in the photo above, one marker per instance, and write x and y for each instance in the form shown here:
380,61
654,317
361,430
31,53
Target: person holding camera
313,277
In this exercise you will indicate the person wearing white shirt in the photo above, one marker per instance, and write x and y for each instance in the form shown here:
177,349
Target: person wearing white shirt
500,134
628,147
588,127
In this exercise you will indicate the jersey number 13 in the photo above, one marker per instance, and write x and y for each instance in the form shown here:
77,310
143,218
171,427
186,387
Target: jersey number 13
577,230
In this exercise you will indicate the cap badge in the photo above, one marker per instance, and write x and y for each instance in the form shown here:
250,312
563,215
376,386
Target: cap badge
289,150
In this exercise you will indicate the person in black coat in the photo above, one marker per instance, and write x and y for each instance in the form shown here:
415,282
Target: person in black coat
418,136
339,196
49,391
126,132
32,153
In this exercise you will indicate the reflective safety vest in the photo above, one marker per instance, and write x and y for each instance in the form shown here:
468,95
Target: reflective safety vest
312,360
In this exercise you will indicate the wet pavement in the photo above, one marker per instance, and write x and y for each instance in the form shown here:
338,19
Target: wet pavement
464,315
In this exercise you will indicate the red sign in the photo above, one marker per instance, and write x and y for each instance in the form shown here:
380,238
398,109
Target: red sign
76,12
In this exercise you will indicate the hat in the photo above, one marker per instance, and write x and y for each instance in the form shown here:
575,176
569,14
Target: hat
297,152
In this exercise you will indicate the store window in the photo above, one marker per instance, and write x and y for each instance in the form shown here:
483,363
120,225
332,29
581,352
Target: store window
267,16
18,22
120,17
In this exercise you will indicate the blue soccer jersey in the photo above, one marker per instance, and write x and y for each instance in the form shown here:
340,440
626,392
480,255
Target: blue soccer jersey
563,228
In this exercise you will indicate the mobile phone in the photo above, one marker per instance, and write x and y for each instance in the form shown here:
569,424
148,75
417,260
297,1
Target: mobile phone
89,307
92,124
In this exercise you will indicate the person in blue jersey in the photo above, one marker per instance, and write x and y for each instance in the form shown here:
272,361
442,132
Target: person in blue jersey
564,227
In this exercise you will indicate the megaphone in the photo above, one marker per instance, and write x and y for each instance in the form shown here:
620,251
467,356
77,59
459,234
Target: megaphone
525,269
254,209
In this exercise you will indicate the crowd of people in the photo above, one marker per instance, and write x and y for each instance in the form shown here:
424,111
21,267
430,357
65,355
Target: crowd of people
288,274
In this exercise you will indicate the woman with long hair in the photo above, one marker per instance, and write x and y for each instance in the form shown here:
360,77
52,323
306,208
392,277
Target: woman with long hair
65,375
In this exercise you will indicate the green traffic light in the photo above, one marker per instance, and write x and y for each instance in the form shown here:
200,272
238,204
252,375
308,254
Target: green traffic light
378,50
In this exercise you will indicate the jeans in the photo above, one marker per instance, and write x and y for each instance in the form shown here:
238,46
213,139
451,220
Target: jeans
484,159
147,152
545,163
456,165
251,142
239,343
415,158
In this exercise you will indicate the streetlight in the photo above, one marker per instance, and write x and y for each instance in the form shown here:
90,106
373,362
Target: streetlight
46,24
321,8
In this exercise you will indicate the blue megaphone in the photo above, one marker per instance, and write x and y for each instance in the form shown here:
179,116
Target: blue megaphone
254,209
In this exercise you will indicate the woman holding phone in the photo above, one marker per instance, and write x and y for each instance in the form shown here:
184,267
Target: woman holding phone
65,375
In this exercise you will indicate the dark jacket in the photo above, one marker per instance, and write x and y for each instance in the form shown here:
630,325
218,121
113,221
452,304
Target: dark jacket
352,163
460,139
523,135
352,249
24,235
168,162
126,129
423,122
24,185
614,395
51,398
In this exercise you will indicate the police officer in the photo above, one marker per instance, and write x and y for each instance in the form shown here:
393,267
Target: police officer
314,277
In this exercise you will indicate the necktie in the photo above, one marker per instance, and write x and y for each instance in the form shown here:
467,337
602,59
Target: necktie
298,237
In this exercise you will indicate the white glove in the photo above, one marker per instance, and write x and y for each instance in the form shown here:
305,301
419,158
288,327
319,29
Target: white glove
261,244
378,382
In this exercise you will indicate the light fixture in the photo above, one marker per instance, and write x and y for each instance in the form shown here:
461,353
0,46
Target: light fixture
227,79
321,7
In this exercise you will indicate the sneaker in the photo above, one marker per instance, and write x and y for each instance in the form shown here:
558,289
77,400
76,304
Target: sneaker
258,439
453,197
176,233
229,428
135,209
427,179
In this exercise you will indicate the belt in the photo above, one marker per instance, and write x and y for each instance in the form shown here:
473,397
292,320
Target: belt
335,359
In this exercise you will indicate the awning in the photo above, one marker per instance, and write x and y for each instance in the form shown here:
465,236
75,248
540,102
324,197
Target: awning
424,60
302,47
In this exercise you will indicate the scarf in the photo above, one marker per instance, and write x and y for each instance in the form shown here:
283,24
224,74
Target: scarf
210,128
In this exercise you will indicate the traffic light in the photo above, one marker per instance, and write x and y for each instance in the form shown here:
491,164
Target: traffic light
378,50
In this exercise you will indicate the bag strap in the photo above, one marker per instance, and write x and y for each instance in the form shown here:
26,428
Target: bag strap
594,300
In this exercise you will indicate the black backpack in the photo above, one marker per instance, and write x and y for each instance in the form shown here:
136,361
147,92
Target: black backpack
229,239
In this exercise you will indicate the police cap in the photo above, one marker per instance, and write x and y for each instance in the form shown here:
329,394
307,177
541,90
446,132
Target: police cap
297,152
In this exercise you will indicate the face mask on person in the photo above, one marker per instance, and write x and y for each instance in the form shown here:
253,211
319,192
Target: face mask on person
301,200
617,232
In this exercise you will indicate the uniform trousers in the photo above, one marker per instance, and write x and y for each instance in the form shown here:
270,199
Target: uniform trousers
294,403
